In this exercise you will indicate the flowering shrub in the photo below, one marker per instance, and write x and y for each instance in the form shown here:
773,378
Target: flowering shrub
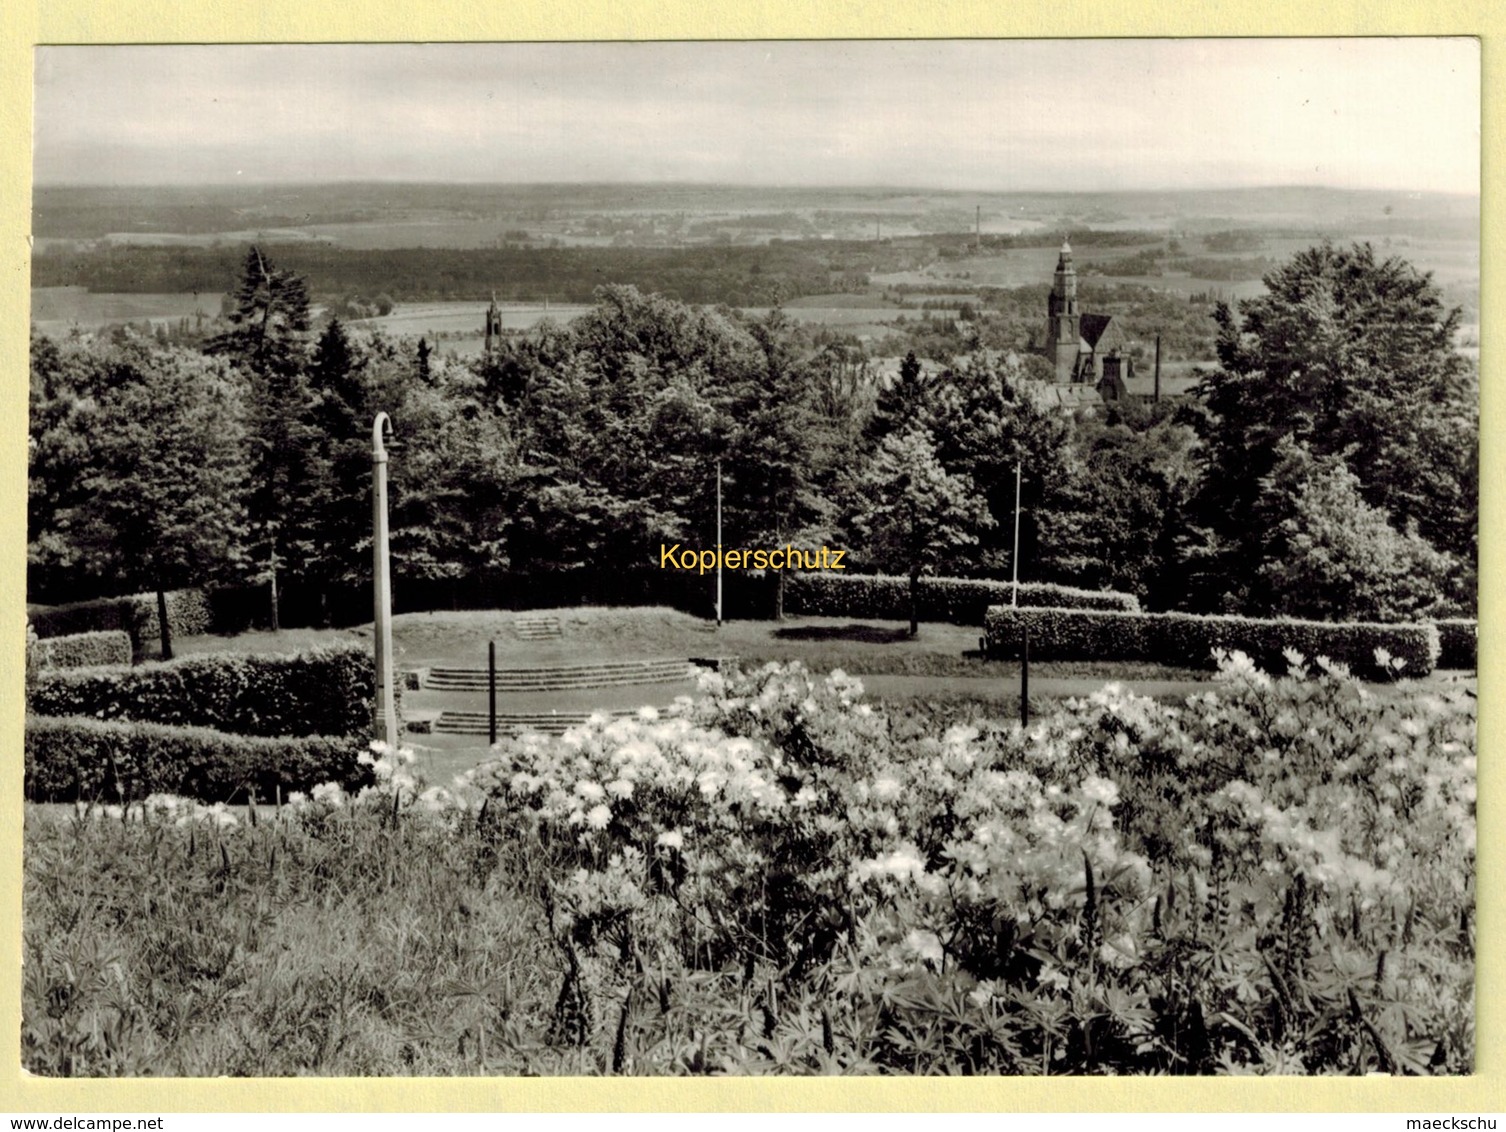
714,835
1274,876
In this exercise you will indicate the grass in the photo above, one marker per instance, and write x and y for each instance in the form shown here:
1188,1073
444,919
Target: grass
599,635
368,950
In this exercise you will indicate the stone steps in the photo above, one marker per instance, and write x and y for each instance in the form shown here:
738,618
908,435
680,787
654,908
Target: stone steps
537,628
514,723
561,677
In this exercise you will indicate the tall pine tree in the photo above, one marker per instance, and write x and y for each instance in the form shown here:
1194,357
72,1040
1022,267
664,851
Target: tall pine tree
268,341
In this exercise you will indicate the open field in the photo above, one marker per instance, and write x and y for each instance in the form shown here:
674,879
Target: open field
57,310
1454,262
448,321
459,326
474,211
456,325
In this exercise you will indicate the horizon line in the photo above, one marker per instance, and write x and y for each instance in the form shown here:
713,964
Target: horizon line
780,186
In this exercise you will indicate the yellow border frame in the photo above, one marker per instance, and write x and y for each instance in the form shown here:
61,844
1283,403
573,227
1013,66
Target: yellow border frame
137,21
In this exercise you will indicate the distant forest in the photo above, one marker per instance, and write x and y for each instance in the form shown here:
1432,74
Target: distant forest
92,211
762,275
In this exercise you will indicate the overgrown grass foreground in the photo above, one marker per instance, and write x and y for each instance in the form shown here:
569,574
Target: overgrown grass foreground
1275,876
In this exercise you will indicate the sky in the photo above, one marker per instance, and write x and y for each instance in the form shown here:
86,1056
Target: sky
999,115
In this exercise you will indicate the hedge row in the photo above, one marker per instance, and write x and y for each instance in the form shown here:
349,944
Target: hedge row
189,613
1188,640
81,650
961,601
92,760
1457,643
324,691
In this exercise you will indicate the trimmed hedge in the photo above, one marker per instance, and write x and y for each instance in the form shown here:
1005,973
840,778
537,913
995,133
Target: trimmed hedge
1457,641
189,614
1188,640
76,759
961,601
82,650
324,691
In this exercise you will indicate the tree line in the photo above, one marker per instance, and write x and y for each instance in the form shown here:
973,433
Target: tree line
746,275
1326,467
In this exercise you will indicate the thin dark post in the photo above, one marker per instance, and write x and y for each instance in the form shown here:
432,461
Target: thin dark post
1025,677
491,690
164,628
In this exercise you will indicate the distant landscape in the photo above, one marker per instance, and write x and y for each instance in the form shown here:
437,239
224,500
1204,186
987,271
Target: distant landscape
870,265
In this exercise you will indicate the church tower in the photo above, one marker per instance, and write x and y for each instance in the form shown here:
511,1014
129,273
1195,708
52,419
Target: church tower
1063,329
493,325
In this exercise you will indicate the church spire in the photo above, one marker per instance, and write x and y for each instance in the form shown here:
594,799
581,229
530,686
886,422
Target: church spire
493,325
1063,330
1065,283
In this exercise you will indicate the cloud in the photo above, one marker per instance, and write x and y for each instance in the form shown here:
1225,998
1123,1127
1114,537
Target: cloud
962,114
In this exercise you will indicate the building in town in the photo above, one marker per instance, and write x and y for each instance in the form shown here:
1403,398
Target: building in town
1089,350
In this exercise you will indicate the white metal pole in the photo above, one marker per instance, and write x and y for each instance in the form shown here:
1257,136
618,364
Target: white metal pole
718,542
385,723
1014,564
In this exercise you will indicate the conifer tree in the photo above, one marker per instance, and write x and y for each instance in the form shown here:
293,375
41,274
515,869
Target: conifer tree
267,341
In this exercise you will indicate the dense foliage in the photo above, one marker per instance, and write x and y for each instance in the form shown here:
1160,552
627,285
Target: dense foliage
1341,419
140,469
1376,651
1324,469
961,601
1457,642
79,650
750,276
323,691
109,762
1272,877
189,612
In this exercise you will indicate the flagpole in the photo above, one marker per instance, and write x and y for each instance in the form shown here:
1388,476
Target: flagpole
385,722
1014,564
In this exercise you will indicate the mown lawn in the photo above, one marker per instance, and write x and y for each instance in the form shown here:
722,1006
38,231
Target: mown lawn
598,635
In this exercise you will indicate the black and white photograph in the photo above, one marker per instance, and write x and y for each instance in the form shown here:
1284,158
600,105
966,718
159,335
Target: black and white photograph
739,558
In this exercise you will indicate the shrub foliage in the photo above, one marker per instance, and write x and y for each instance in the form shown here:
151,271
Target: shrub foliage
1457,643
189,613
76,759
324,691
960,601
81,650
1190,640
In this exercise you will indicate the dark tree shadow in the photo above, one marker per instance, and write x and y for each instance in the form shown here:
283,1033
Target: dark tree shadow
869,634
